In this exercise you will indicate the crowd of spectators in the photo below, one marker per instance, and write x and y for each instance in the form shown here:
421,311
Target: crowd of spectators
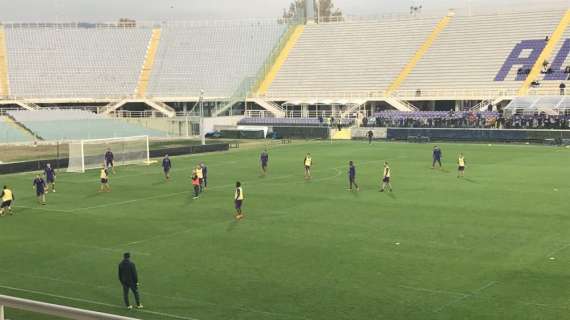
465,119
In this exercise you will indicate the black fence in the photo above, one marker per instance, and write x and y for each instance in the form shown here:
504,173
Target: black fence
301,132
479,135
37,165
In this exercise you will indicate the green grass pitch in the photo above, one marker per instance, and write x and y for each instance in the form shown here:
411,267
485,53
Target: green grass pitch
438,247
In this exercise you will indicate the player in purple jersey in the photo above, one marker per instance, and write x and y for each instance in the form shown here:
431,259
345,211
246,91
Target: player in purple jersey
109,160
166,165
49,173
436,157
204,175
264,160
40,185
352,176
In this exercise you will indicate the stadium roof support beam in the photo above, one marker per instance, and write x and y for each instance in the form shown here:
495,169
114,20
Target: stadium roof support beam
439,27
148,64
4,83
545,54
280,60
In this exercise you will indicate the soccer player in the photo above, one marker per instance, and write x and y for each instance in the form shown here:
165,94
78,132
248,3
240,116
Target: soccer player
352,176
370,136
49,173
238,201
436,157
264,160
308,163
195,184
204,175
166,165
200,175
7,197
386,177
109,157
104,175
461,166
40,185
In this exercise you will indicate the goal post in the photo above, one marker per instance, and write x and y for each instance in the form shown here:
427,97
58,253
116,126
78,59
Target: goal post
90,153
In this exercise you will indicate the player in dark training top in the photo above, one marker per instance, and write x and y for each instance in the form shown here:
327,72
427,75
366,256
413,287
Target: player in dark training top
40,185
49,173
166,165
204,175
264,160
352,176
436,157
109,160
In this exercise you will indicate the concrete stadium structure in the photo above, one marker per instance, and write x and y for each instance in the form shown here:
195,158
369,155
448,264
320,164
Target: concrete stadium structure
278,68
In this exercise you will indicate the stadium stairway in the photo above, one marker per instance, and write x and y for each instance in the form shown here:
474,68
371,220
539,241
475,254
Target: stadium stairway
344,134
440,26
4,84
546,53
148,63
25,131
400,105
270,106
280,60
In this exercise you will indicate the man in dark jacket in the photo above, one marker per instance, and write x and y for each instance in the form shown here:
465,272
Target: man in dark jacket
129,280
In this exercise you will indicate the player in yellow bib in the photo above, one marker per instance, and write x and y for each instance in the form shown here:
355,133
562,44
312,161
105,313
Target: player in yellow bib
308,162
104,175
386,177
461,166
238,200
7,198
200,175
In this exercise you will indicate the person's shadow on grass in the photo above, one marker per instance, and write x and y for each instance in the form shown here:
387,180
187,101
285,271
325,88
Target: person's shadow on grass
232,225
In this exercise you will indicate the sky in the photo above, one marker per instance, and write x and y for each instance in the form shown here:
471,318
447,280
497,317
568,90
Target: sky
168,10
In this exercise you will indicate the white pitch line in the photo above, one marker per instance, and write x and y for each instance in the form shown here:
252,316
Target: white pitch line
451,293
467,296
558,250
173,316
154,295
168,195
43,208
103,249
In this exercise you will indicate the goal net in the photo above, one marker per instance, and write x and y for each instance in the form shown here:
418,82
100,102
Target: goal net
90,154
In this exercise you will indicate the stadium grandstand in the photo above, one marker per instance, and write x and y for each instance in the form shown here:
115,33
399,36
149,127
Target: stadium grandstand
285,68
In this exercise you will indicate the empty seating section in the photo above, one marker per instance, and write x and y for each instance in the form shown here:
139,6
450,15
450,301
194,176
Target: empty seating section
9,133
214,57
290,122
351,57
47,62
77,124
469,53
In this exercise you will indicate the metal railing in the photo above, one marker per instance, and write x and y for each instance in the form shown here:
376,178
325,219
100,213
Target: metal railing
54,310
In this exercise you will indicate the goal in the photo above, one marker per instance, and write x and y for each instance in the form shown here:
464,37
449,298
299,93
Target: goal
90,154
